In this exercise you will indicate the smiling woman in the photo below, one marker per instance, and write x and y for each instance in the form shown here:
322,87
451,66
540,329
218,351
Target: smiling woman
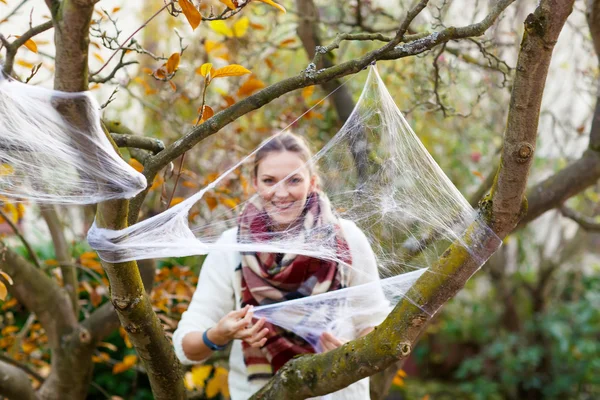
231,284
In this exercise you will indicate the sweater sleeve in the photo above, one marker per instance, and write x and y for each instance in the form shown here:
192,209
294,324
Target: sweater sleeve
370,306
214,297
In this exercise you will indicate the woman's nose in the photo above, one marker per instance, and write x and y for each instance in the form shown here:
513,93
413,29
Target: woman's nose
280,190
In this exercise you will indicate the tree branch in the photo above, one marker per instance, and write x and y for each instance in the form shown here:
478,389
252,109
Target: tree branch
125,137
394,339
11,49
587,223
63,256
14,383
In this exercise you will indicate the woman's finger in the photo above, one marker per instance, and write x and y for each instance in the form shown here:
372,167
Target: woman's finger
246,321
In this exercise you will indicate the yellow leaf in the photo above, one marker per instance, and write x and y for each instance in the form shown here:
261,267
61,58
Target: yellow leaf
24,63
114,10
136,165
228,202
204,70
230,70
176,201
199,375
211,45
3,291
240,27
99,57
272,3
4,1
6,169
229,4
173,63
221,27
128,362
191,13
218,384
9,329
7,277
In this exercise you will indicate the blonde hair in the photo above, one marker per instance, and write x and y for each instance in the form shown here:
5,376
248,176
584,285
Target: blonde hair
286,141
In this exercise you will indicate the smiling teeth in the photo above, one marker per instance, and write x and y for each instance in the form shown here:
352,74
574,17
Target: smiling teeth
283,207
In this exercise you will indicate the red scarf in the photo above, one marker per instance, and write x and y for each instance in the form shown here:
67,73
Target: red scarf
271,278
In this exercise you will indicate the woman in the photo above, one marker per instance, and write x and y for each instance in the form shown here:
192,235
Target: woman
232,283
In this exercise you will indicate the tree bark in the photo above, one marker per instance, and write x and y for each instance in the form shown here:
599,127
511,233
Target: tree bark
15,384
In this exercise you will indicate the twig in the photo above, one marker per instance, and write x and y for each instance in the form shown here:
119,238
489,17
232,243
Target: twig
10,14
21,366
587,223
21,237
132,35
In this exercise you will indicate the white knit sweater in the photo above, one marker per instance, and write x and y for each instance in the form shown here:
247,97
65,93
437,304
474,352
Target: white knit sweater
218,292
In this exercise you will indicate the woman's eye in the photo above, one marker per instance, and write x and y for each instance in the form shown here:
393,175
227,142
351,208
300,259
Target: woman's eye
295,181
267,181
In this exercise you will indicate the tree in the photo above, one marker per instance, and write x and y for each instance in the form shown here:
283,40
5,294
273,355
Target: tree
72,341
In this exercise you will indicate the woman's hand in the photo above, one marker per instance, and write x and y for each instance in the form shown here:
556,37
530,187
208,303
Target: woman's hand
329,342
238,325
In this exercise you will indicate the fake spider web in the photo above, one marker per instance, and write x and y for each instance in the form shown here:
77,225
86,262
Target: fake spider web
377,174
46,159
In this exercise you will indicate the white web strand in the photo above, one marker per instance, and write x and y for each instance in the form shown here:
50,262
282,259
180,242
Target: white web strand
46,159
377,174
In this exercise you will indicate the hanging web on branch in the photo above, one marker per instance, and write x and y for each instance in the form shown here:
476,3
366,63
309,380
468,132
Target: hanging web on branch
46,159
377,174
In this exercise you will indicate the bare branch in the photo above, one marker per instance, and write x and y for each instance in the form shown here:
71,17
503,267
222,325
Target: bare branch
21,366
11,48
63,256
14,383
125,137
17,232
587,223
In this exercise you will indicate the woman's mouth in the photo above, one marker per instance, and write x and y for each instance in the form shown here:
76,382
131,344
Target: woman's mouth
283,206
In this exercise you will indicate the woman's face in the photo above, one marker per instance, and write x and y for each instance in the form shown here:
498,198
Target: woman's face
284,182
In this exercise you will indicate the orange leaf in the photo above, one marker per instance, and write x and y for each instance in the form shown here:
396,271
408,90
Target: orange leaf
189,184
287,41
272,3
136,165
173,86
128,362
258,27
30,44
250,86
191,13
229,4
173,63
211,202
230,70
176,200
3,291
114,10
208,112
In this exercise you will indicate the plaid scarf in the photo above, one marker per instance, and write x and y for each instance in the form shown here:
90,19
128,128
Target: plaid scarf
270,278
